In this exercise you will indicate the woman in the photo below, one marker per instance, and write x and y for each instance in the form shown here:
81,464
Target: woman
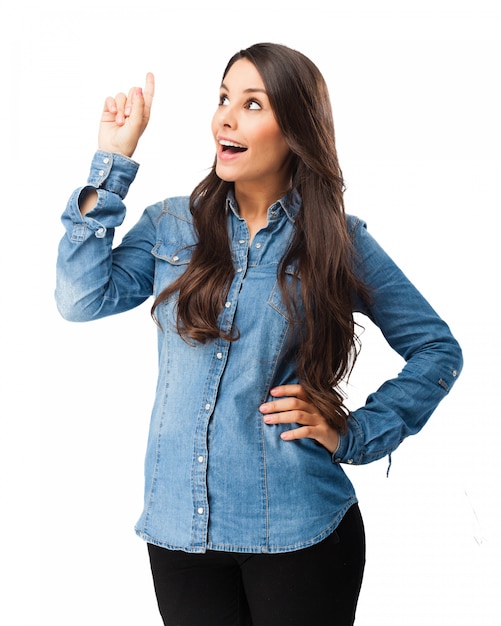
248,515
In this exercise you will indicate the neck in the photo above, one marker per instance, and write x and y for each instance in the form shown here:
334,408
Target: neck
253,205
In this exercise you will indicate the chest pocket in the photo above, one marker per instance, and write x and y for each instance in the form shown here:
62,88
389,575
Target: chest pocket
172,259
294,285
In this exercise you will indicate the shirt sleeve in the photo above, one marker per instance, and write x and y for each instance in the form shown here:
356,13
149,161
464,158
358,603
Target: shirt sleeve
93,279
401,406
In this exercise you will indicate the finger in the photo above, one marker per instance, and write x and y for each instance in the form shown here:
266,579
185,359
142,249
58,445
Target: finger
130,101
149,92
303,432
139,103
286,404
120,101
289,390
288,417
145,97
110,105
322,434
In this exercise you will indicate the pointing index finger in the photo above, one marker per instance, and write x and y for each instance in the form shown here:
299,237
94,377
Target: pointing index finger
149,89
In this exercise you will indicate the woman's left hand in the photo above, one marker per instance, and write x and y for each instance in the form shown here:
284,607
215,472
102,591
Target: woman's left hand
294,407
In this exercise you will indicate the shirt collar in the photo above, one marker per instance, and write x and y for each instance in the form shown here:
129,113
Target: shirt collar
290,204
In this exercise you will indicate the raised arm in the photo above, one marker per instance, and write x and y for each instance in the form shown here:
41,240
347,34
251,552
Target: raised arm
123,121
93,278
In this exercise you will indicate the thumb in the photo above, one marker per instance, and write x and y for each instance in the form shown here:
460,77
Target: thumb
135,105
140,103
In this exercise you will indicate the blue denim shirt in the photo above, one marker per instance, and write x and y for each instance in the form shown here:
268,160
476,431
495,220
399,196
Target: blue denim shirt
216,476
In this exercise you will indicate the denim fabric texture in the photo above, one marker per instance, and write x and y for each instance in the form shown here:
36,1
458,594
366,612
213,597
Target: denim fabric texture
216,476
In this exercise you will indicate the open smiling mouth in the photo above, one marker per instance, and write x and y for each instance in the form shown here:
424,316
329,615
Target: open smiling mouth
231,148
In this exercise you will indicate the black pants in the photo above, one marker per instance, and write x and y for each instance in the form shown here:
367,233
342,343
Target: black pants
317,586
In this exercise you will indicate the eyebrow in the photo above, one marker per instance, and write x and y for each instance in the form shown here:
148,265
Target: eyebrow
249,90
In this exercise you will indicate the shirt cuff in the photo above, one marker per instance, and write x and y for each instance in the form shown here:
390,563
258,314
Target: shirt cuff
350,444
112,172
338,455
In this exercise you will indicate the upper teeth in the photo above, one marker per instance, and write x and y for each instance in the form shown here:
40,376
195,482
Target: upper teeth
230,144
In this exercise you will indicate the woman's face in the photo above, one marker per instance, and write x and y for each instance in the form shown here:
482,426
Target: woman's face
251,149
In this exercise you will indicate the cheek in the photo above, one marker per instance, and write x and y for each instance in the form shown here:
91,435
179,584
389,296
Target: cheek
279,148
274,140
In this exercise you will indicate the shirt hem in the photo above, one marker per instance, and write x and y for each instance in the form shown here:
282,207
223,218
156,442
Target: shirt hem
252,549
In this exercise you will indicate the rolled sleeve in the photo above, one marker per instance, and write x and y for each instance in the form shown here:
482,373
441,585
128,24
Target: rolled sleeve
93,279
111,176
112,172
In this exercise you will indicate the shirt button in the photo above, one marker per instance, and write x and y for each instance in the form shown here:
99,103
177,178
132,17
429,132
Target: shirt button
239,270
454,373
227,304
100,232
101,172
350,461
241,241
175,258
207,407
258,245
106,161
200,459
219,355
200,510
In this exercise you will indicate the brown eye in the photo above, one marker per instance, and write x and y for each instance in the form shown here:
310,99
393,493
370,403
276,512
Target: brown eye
253,105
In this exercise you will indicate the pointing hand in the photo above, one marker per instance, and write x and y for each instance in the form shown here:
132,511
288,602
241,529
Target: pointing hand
125,118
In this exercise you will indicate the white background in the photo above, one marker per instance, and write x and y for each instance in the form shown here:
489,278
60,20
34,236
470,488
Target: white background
415,93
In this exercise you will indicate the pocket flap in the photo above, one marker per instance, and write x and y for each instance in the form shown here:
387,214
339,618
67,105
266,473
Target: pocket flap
173,252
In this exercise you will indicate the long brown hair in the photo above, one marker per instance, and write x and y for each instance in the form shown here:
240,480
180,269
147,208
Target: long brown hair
321,247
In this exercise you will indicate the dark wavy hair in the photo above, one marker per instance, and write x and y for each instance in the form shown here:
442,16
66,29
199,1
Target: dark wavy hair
321,247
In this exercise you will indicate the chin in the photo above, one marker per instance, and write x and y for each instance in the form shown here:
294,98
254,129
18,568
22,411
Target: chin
225,179
224,176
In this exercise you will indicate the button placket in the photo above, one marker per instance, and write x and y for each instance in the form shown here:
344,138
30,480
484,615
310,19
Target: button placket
199,470
220,351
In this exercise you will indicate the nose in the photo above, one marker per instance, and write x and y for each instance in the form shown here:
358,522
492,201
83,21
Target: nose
227,117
